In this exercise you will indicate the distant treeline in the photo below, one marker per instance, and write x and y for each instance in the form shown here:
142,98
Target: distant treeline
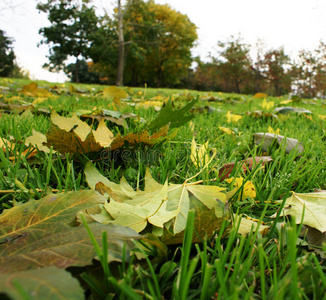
147,43
233,70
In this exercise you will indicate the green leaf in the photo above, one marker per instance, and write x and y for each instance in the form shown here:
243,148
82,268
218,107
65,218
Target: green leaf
48,283
38,234
174,118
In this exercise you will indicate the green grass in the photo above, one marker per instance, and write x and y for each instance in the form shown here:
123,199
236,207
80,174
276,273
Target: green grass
228,266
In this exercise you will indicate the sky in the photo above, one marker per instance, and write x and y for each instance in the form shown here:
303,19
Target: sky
293,24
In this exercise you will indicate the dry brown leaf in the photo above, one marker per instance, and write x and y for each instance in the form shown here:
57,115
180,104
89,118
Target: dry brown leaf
247,164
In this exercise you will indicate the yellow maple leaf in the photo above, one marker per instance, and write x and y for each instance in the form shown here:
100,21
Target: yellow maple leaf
39,100
232,118
271,130
156,104
33,90
199,156
116,93
267,105
248,188
286,101
14,98
226,130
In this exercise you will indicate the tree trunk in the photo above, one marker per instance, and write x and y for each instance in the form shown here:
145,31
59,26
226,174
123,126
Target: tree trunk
237,86
77,70
158,78
121,43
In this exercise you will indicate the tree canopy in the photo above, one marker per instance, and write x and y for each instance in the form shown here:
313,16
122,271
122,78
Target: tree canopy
72,24
7,55
157,40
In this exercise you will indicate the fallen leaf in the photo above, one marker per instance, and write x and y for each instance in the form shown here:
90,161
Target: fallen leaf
37,139
5,143
33,90
46,283
246,225
226,130
157,204
232,118
39,100
178,199
246,165
71,135
251,162
205,226
271,130
267,105
156,104
115,117
134,208
260,96
247,188
199,156
37,234
227,169
286,101
75,90
141,138
314,237
115,93
310,206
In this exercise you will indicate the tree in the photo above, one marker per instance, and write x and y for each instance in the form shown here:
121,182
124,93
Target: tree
121,47
321,70
170,58
206,76
7,55
85,73
104,50
310,72
276,72
258,80
234,63
157,42
73,23
305,71
141,33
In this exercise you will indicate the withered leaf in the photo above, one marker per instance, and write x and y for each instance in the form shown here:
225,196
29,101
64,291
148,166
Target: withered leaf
38,233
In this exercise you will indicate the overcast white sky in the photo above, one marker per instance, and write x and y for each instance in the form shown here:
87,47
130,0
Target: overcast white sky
294,24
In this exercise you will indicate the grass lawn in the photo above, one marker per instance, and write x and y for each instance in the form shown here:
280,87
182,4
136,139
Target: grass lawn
235,243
